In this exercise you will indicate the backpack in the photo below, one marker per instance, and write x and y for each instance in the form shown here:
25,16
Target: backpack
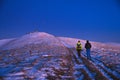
79,47
87,45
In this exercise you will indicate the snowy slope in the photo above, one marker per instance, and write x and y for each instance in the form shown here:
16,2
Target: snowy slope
32,38
108,53
33,55
5,41
42,56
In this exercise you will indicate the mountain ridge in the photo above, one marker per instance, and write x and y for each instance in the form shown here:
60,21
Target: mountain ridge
36,37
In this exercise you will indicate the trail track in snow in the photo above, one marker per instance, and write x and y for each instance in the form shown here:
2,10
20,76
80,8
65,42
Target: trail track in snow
92,69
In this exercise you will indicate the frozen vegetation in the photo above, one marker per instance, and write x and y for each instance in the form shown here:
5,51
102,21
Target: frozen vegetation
41,56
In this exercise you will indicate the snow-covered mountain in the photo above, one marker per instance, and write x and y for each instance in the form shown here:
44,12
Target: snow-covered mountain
32,38
42,56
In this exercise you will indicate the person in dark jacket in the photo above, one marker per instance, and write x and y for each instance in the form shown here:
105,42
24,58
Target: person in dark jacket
88,47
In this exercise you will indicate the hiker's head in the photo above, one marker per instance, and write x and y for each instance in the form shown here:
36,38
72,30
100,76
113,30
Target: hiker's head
87,41
79,41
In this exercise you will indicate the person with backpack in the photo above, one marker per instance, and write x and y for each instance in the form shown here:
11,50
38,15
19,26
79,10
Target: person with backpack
79,48
88,47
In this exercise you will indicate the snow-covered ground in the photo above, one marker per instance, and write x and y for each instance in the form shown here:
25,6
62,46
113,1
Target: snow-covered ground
107,53
41,56
36,56
5,41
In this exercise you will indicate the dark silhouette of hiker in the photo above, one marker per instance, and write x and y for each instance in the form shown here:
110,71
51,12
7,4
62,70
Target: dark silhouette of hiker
88,47
79,48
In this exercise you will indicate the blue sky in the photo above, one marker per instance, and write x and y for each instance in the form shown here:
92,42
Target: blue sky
96,20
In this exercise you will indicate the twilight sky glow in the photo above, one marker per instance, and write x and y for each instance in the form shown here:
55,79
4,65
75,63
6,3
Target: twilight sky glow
96,20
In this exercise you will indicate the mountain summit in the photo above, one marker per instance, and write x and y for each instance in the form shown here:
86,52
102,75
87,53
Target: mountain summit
38,38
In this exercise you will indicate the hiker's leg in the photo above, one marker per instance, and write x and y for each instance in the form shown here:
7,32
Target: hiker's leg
88,54
79,53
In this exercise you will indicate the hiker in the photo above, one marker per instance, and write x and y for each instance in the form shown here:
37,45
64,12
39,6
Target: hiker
79,48
88,47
